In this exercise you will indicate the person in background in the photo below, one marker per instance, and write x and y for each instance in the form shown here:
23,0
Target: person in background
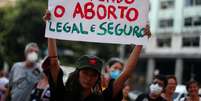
24,75
193,89
155,89
41,90
170,88
3,84
115,67
125,92
112,71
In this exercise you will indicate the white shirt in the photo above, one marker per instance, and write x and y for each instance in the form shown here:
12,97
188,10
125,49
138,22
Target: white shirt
3,81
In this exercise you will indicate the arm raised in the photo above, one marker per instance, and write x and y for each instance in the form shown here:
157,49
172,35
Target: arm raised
130,66
52,55
52,52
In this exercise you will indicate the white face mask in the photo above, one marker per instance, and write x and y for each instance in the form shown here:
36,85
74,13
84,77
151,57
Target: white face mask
32,57
155,89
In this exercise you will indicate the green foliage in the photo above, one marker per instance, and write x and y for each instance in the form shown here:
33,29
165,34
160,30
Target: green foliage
20,25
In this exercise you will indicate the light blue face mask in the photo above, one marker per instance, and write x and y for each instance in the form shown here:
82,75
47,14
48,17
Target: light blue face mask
115,74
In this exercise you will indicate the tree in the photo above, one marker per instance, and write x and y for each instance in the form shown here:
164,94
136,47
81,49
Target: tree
21,24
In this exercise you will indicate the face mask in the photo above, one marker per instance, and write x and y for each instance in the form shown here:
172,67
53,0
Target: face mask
32,57
115,74
155,89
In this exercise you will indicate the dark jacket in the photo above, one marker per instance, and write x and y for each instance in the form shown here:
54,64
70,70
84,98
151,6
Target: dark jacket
59,92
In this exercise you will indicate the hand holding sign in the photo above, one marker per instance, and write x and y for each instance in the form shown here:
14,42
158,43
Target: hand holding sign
104,21
147,31
47,16
114,21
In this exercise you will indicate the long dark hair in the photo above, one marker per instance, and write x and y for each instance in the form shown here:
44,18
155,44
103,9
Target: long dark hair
74,89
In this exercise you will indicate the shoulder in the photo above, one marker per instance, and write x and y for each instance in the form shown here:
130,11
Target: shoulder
17,65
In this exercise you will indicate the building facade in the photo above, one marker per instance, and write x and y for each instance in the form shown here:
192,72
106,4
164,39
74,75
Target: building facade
175,47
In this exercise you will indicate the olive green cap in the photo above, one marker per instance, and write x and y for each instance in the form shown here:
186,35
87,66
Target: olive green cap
90,62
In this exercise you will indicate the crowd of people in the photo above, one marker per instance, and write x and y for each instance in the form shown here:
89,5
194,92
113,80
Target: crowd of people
92,80
30,81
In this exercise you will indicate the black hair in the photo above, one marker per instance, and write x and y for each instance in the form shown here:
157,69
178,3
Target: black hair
72,85
74,88
190,83
162,78
171,77
112,61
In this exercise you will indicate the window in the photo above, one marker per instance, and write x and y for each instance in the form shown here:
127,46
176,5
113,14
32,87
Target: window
198,2
197,21
167,4
193,2
191,69
189,2
164,42
165,66
164,23
192,21
191,41
188,22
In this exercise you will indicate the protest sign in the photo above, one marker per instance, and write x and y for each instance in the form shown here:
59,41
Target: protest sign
103,21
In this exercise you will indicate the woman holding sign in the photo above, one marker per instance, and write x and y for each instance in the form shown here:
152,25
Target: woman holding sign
84,83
